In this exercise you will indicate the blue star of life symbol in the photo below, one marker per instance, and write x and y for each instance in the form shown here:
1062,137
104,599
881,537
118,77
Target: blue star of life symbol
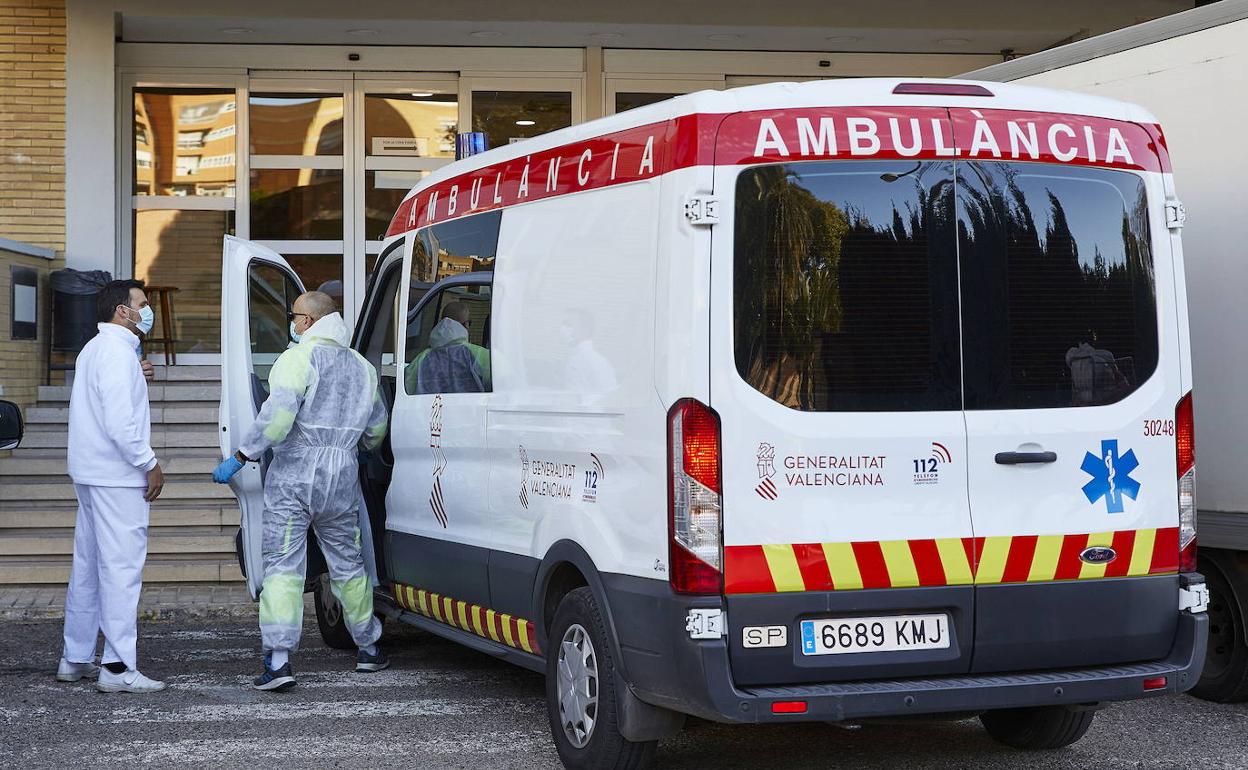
1111,475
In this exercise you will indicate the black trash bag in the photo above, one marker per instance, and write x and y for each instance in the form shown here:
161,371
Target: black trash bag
73,306
70,281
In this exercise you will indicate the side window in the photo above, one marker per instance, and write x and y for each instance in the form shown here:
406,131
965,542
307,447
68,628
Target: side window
845,293
1058,287
270,294
448,340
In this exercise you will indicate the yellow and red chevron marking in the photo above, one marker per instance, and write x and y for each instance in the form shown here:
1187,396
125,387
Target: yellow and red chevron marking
770,568
473,618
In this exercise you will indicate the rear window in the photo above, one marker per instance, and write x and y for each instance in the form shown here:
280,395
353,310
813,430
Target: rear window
846,286
1058,294
846,293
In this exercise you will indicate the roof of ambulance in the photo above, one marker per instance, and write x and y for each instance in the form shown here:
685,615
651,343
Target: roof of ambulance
846,92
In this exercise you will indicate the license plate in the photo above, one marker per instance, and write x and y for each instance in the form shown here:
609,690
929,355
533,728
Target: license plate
835,636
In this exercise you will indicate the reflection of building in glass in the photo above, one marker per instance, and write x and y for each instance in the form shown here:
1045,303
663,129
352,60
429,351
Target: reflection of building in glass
451,264
184,143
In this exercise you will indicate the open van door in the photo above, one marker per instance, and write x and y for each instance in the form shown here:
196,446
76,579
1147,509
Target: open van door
258,289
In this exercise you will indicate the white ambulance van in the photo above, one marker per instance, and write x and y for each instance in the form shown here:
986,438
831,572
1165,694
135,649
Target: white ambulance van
797,402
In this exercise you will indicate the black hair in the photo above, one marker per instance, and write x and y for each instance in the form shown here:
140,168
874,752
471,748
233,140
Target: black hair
113,294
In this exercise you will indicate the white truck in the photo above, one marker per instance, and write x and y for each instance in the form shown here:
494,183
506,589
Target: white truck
1191,71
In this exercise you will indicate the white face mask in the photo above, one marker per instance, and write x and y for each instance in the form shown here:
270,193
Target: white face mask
294,335
146,318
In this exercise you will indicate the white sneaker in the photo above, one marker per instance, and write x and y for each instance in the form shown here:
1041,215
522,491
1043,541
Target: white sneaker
72,672
126,681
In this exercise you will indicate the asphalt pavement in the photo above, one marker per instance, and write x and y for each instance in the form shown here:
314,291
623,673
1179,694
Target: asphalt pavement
441,705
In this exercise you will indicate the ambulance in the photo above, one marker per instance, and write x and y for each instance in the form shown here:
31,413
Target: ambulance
821,402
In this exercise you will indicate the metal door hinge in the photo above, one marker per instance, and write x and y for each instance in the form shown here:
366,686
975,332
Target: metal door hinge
1194,598
1176,215
702,210
705,623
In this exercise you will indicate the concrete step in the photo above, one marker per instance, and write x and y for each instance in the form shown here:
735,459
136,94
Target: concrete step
201,436
166,569
47,544
26,490
61,515
179,414
185,373
191,392
172,466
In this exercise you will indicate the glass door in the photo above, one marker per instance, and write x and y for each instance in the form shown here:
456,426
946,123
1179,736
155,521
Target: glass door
300,173
408,128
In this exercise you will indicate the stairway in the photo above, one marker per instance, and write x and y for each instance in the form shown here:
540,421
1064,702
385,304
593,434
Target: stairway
191,536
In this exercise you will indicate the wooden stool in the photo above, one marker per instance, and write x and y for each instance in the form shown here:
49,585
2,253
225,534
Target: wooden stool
164,296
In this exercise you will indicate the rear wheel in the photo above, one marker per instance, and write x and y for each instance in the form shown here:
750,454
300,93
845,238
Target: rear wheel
580,691
1225,675
329,617
1037,728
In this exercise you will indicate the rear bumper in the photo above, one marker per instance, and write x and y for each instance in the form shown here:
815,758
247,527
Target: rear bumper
664,667
861,700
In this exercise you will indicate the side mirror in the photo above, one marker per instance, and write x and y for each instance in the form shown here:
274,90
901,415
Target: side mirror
11,426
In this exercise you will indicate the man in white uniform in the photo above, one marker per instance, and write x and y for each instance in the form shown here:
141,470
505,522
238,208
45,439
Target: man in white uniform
116,477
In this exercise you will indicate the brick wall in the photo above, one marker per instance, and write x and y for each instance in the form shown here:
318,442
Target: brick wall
32,172
22,362
32,122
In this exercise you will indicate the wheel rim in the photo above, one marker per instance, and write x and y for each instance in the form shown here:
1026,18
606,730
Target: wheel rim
329,603
578,685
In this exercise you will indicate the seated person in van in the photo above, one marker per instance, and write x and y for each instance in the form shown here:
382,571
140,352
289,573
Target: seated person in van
451,364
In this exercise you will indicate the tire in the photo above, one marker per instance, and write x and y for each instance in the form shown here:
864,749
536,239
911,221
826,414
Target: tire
1225,675
578,628
1039,728
329,617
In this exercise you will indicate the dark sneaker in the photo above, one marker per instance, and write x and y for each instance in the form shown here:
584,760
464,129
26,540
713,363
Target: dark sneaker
366,663
274,681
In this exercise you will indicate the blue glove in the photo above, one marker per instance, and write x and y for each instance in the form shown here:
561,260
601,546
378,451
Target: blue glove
226,470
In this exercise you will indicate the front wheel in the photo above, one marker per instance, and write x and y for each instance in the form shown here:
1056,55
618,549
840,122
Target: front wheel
580,691
1038,727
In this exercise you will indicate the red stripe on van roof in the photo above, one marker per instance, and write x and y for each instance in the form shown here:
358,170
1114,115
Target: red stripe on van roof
787,135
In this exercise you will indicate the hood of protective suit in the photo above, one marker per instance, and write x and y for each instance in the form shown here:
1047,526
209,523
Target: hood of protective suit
331,328
448,331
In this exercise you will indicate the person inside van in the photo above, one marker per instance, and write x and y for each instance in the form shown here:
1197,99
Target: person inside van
451,364
1095,377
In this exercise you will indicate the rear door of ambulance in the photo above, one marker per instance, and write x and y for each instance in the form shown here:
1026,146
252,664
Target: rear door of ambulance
835,353
1071,373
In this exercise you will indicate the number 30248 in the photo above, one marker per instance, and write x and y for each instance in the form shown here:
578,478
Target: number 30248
1159,427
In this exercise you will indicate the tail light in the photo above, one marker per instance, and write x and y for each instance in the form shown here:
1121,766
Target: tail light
695,500
1185,446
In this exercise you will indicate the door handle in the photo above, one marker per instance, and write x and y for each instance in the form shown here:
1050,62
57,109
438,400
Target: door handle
1018,458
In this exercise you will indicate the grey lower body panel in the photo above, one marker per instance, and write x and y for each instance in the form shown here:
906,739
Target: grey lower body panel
666,668
1223,529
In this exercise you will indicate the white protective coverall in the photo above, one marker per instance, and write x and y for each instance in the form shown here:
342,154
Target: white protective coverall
110,453
323,405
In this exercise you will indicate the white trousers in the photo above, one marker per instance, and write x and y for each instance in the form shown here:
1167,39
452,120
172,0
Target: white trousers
110,546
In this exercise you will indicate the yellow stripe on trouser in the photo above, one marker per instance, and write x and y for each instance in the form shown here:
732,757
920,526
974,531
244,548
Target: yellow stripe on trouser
1086,570
992,562
1044,562
900,563
954,561
281,601
843,565
783,565
1142,552
356,596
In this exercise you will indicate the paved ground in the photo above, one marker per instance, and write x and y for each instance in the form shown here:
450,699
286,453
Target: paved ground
444,706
